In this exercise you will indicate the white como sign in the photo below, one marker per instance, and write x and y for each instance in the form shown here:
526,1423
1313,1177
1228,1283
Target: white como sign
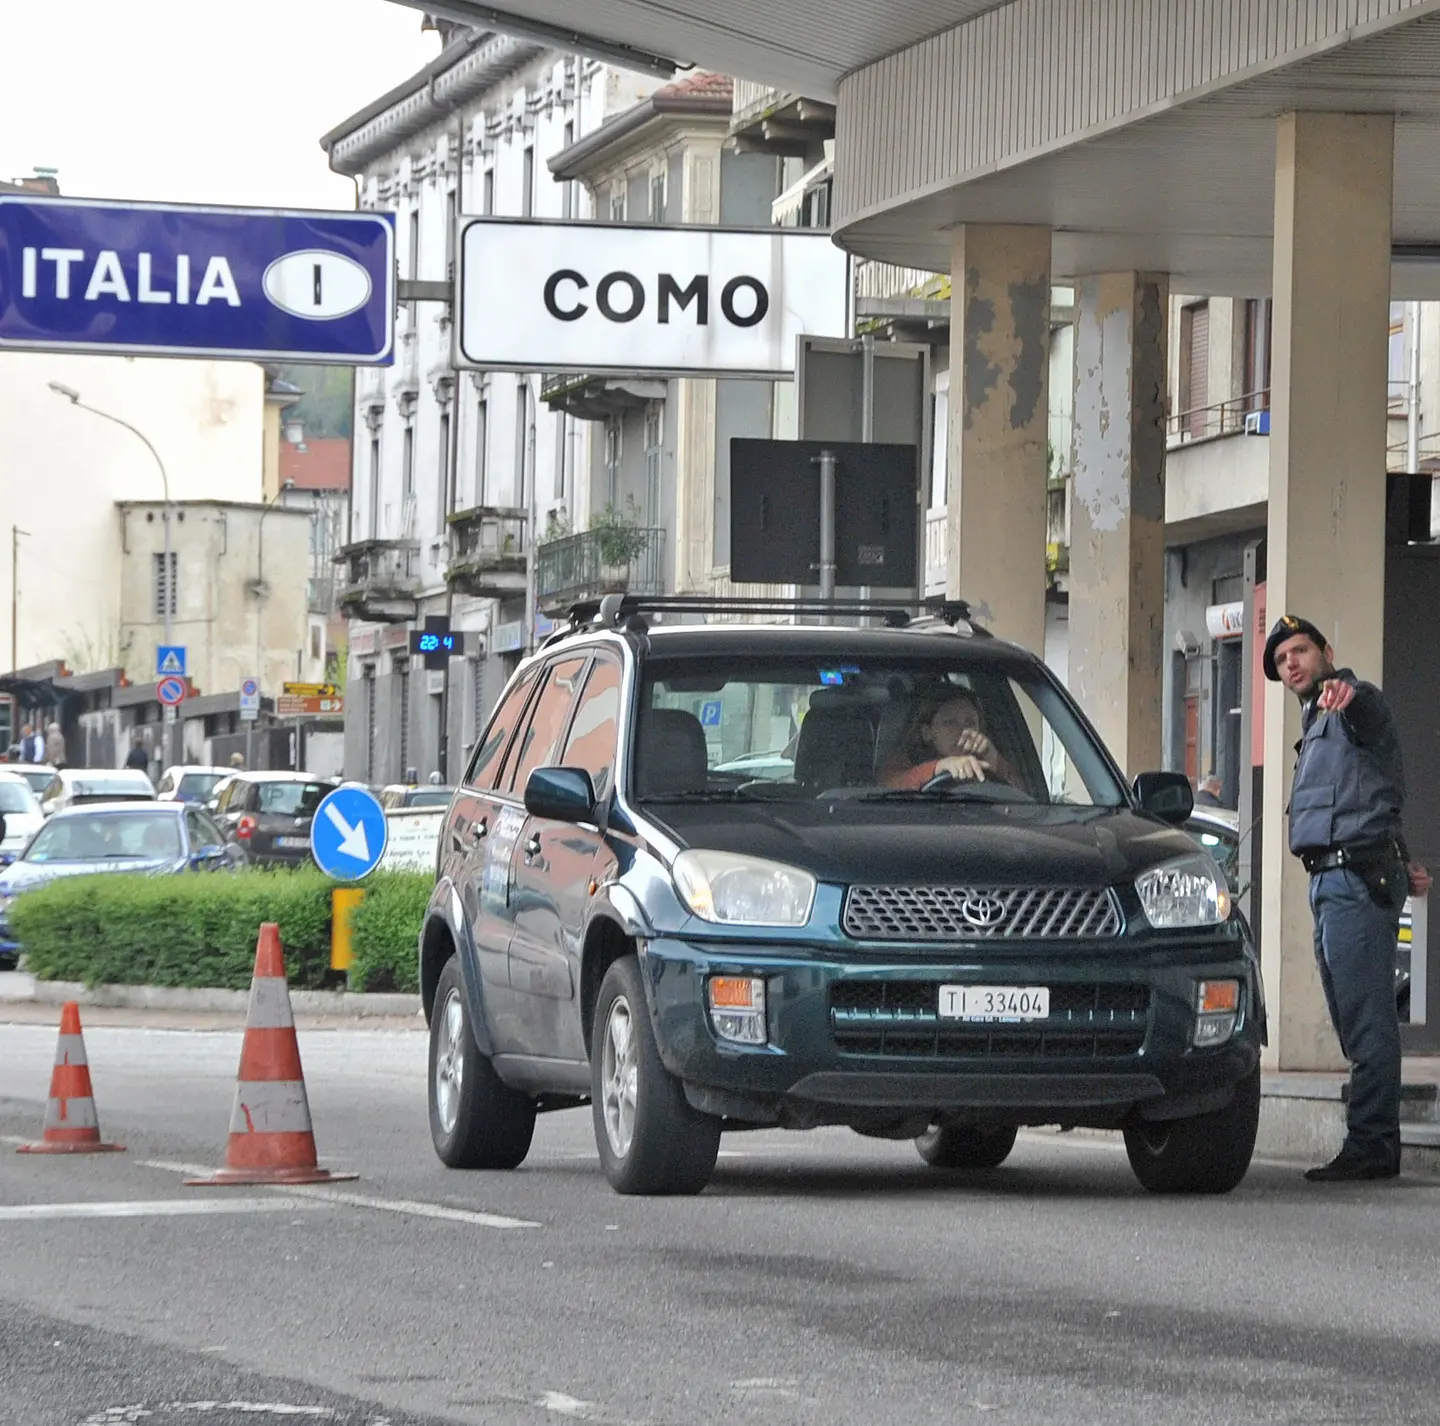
602,297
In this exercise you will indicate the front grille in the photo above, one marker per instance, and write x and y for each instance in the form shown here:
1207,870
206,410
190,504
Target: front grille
956,913
900,1018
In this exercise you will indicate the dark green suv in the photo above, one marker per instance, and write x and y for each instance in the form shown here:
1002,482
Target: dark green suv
948,917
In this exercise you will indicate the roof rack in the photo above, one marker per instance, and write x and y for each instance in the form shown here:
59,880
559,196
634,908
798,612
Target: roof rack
628,610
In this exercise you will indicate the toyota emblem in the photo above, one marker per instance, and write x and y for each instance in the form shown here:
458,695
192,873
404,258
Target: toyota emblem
983,911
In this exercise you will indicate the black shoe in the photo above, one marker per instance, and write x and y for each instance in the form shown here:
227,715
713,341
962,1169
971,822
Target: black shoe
1350,1166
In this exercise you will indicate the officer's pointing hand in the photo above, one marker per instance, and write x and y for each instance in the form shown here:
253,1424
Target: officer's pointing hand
1420,880
1335,695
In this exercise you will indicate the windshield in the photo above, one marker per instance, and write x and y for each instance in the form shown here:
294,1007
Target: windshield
195,786
15,798
292,799
98,785
140,836
429,797
963,727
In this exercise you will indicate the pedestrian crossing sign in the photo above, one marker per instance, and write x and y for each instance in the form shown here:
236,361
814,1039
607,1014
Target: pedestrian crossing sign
170,661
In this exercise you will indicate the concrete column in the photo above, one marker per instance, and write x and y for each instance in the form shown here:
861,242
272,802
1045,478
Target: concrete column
1326,533
999,426
1117,513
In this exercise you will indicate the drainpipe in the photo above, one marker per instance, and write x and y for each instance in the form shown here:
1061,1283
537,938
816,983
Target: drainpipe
1412,402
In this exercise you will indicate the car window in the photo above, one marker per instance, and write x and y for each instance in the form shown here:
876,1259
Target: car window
593,735
210,833
166,783
540,739
291,799
485,765
53,788
15,798
146,836
195,786
428,797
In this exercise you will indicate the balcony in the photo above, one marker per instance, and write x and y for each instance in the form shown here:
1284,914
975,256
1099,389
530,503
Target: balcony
379,582
596,398
487,552
585,566
769,120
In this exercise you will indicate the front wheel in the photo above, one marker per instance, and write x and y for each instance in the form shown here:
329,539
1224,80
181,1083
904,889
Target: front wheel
1208,1153
476,1120
650,1139
966,1146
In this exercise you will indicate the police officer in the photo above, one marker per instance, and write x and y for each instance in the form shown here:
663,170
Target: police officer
1345,815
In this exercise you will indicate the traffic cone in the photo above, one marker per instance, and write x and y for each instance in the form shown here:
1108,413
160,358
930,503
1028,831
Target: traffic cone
271,1138
71,1124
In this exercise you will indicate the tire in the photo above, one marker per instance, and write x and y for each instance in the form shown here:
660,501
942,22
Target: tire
650,1140
1207,1154
476,1121
966,1146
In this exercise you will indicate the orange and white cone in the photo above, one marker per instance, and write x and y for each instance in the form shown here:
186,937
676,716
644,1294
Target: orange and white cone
271,1137
71,1123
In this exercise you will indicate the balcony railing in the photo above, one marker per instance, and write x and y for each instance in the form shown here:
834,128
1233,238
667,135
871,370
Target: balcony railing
1249,413
380,581
576,567
487,551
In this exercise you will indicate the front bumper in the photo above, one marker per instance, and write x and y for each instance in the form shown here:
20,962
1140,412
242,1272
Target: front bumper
853,1041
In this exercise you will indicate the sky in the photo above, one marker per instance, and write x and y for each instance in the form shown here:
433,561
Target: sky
197,101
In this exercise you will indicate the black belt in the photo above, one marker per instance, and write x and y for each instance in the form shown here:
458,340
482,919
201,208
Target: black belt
1357,854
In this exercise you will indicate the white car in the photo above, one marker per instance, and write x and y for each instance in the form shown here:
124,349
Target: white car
190,782
21,810
75,786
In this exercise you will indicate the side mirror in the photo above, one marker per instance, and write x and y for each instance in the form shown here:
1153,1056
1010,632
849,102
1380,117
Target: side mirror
561,794
1166,795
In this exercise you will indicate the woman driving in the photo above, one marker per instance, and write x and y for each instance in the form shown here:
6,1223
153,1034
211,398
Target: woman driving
947,736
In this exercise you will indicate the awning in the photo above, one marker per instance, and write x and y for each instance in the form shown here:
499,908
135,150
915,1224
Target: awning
789,203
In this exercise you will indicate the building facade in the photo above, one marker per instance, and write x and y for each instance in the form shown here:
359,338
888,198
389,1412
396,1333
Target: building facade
452,471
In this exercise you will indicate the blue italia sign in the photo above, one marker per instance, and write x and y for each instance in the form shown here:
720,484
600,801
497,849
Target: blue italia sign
165,280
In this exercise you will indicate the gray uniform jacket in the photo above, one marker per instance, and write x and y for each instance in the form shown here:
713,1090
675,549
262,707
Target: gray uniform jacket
1349,778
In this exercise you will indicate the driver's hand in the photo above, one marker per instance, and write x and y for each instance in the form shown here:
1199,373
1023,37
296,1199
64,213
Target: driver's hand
975,744
964,768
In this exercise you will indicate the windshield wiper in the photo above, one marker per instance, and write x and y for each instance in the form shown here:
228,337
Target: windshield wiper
703,794
964,791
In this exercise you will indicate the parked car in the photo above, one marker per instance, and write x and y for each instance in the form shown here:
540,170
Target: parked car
77,786
113,837
617,921
190,783
269,814
38,776
20,809
400,795
1217,829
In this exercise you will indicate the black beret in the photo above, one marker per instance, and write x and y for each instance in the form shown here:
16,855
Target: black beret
1286,627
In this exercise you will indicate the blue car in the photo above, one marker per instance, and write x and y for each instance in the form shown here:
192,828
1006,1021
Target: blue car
155,838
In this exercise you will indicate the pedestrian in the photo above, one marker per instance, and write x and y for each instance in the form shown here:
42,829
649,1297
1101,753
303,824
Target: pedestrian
1345,826
54,746
237,760
32,745
1208,793
138,757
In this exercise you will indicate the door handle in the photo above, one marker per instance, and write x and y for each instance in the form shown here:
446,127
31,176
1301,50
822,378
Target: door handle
532,847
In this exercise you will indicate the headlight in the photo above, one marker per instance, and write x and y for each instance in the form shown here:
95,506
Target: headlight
1186,892
736,890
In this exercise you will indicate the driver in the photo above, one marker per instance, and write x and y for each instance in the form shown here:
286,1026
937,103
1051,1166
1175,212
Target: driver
947,736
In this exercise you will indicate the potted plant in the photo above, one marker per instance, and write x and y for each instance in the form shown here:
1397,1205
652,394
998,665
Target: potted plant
620,539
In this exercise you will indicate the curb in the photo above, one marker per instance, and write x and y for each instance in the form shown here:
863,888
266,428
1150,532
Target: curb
351,1004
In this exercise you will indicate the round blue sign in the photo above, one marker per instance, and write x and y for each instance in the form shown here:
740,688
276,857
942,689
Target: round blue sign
348,834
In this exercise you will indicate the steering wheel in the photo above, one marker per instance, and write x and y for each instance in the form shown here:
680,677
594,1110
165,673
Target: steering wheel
941,779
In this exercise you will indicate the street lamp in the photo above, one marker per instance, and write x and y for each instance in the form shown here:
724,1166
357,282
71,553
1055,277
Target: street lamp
73,397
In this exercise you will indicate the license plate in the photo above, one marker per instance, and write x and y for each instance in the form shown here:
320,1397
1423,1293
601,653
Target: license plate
994,1002
292,843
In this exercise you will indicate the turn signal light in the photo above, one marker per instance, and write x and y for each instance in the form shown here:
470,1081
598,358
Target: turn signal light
1214,996
737,1008
1217,1010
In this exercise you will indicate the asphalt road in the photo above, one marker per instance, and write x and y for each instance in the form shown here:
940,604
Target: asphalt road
822,1278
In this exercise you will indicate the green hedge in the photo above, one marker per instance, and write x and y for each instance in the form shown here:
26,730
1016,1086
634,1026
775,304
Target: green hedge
385,932
200,931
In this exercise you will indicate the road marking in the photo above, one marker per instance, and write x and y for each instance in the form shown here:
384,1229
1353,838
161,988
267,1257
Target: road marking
563,1405
408,1207
157,1208
130,1415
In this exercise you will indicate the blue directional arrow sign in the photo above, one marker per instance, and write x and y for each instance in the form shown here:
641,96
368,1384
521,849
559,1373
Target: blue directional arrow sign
170,280
348,834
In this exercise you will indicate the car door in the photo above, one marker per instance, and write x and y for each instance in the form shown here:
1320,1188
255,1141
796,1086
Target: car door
467,842
554,865
229,806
